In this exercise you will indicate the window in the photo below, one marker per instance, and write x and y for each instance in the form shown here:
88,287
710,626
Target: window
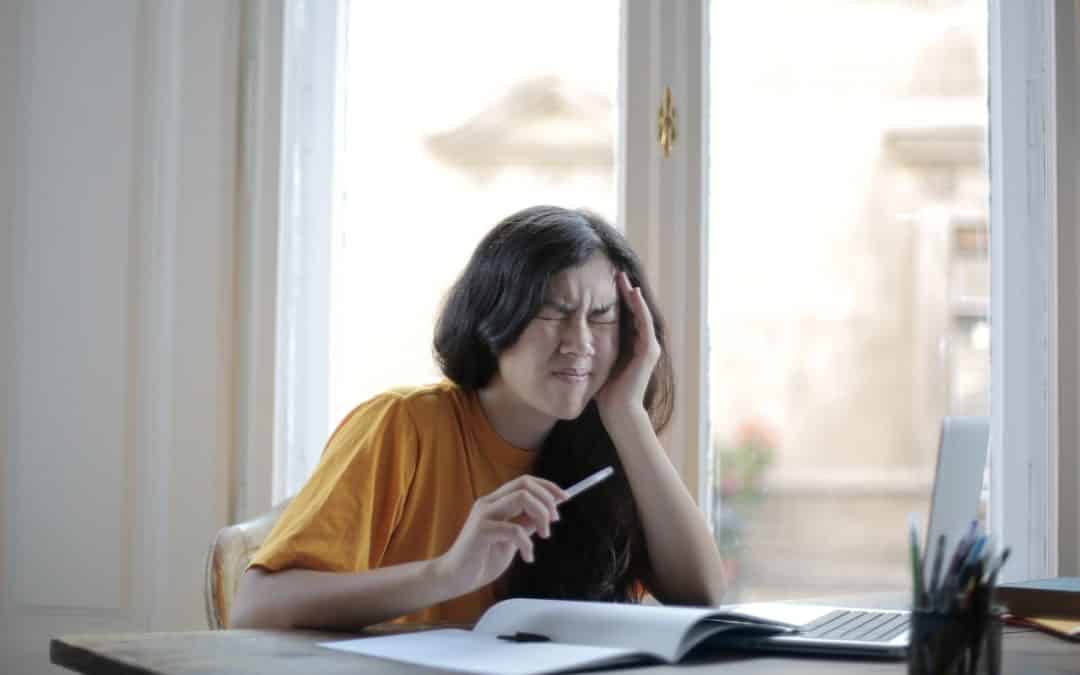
849,279
447,131
662,202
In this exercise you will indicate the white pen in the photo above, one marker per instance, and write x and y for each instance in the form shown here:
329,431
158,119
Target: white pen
589,481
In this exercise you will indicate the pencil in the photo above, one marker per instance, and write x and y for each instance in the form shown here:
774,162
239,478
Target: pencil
916,565
935,574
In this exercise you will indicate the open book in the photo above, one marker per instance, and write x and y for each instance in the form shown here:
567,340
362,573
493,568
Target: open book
529,637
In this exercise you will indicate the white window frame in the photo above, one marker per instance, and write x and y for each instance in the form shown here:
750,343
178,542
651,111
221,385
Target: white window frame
662,202
311,127
1031,357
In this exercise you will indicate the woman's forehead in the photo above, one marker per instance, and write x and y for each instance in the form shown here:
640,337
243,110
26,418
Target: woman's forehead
595,277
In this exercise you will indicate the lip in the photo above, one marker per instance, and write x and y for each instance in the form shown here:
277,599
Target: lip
572,374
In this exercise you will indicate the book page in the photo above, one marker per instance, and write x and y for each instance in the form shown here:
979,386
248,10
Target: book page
662,631
483,654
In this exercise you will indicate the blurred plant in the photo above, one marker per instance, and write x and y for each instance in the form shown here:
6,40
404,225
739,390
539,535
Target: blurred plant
740,465
738,473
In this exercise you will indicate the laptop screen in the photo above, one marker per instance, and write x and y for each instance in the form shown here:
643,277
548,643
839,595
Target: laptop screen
958,480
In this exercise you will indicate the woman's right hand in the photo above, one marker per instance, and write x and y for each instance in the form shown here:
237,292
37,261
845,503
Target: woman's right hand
500,525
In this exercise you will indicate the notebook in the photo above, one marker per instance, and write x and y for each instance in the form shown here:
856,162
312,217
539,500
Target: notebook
958,480
525,636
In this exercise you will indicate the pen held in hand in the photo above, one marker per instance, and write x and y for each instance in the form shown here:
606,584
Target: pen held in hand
589,481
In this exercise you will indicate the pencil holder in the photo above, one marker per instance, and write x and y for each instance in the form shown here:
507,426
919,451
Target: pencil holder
963,642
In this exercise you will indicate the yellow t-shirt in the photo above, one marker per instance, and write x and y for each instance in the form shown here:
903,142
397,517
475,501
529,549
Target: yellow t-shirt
395,484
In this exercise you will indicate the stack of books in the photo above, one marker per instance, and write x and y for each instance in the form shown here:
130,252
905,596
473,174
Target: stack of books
1050,605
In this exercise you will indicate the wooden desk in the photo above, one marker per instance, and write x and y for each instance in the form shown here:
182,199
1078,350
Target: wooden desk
286,652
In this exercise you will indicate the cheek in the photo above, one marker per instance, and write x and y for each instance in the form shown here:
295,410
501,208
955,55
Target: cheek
530,353
539,342
607,347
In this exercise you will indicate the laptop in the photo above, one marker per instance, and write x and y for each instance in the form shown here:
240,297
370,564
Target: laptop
854,631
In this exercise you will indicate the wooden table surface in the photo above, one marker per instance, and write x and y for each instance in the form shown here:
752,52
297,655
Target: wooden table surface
280,652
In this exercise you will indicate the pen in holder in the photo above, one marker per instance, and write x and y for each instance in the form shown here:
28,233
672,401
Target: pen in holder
955,627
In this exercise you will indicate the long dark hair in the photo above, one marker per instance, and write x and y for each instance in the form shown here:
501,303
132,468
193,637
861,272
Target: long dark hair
597,549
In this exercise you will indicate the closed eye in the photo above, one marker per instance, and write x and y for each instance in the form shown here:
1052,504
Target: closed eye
605,315
552,311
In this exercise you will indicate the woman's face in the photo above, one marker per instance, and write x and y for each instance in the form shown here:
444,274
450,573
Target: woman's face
567,351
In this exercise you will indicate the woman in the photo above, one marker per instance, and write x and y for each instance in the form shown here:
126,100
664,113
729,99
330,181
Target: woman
427,500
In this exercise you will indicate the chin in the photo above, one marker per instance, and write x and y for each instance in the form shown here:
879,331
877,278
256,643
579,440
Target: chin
567,410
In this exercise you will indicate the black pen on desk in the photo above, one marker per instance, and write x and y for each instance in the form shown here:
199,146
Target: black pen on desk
521,636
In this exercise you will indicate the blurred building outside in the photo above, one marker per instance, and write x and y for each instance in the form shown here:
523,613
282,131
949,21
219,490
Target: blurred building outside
849,278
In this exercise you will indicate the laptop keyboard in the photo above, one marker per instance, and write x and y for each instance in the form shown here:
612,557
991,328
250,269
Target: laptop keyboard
857,626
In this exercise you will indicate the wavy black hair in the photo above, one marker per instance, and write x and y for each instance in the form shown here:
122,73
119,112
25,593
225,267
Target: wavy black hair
597,549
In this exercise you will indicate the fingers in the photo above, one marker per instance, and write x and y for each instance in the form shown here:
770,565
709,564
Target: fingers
524,503
548,492
643,319
516,535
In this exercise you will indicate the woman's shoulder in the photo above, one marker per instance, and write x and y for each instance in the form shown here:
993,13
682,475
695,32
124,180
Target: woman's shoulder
427,402
434,394
401,411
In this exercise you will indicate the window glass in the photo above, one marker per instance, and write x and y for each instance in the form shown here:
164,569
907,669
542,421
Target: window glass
849,279
455,116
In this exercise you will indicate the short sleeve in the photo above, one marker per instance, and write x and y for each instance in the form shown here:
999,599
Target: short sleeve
342,520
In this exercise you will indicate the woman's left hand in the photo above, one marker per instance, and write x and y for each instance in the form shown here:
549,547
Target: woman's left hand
624,392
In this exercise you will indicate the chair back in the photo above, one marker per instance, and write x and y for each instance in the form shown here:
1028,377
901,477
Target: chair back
228,557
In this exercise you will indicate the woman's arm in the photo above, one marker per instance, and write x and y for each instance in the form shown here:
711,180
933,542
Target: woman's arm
686,564
299,598
500,525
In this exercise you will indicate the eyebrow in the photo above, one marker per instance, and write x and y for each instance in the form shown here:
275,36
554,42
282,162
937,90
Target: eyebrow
564,306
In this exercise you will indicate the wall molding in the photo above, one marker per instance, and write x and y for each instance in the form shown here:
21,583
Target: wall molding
185,299
161,55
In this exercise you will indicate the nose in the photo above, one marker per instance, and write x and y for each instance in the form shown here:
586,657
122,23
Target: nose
576,338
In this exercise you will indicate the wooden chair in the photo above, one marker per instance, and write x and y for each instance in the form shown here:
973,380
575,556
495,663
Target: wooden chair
228,557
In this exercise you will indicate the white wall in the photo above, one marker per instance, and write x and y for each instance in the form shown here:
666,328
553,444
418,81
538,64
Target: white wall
8,79
119,170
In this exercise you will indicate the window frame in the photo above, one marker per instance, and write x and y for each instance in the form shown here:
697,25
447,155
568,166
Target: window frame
663,203
1033,363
